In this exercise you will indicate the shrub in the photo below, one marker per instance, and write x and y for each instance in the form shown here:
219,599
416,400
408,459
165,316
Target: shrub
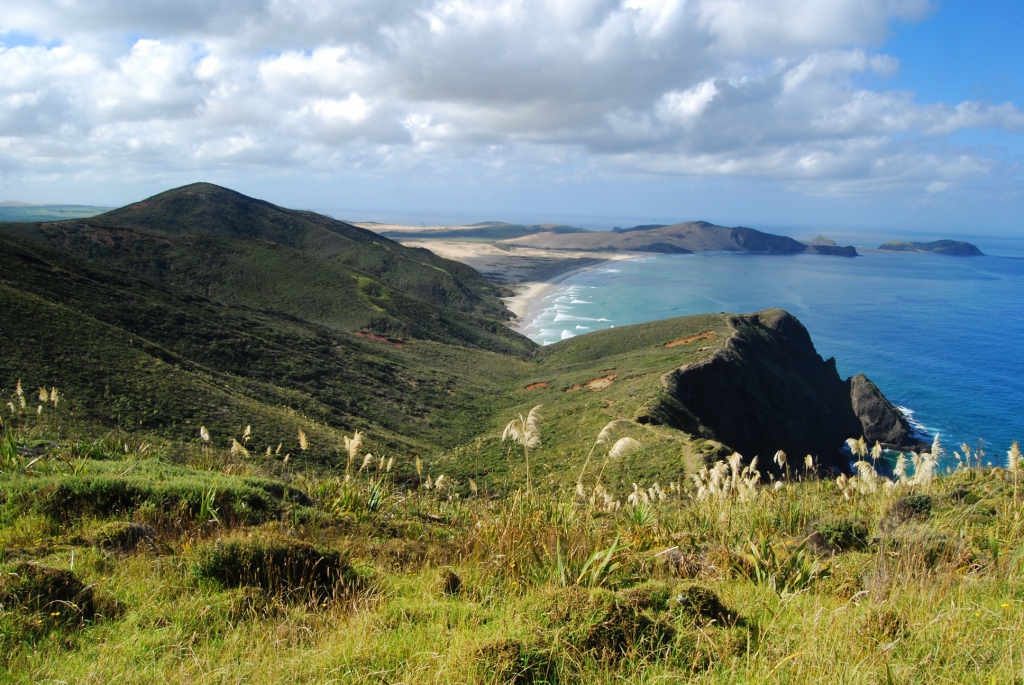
836,534
164,488
56,595
121,536
921,505
920,546
510,662
276,564
597,621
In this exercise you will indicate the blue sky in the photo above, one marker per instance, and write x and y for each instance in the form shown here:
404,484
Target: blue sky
877,116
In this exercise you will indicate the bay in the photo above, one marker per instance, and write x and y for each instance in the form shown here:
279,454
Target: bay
940,335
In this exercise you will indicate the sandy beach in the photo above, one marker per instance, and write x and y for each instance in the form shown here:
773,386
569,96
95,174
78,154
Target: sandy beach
531,271
519,304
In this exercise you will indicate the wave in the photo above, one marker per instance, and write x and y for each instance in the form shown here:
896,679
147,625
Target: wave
917,429
569,317
580,302
566,335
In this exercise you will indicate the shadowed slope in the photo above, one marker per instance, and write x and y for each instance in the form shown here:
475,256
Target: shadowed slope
221,245
138,354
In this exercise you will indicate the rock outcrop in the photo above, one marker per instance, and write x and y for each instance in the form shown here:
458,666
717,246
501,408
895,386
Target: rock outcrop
768,389
880,420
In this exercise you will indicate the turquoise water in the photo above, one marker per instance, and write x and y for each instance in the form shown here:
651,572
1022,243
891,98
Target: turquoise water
940,335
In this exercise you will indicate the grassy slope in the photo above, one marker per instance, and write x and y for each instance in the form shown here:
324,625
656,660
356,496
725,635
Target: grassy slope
637,357
935,599
136,353
141,355
209,210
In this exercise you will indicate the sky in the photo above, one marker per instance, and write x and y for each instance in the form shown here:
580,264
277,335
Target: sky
803,115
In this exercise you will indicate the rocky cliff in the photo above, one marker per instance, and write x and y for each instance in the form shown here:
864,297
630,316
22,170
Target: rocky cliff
768,389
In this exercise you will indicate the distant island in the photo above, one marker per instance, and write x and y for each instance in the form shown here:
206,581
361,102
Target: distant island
681,238
956,248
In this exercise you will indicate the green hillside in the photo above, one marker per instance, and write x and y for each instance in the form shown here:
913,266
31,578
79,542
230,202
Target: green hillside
240,251
134,353
201,307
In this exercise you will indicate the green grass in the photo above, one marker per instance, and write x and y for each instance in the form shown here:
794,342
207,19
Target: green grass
204,603
134,355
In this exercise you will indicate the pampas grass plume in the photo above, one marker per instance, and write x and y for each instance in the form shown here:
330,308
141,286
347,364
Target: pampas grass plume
624,447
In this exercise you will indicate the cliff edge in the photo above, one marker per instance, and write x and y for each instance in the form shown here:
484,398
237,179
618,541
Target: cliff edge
768,389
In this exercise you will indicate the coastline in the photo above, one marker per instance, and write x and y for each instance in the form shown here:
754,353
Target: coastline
529,292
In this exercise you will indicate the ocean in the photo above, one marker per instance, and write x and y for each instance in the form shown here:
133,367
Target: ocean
941,336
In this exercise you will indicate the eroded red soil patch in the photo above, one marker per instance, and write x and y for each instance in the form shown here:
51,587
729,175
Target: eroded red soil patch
394,342
602,382
706,335
537,386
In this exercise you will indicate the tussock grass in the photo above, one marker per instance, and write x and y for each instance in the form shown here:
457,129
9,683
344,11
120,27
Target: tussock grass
257,572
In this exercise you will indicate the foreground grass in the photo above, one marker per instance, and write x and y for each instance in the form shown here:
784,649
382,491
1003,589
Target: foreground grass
931,594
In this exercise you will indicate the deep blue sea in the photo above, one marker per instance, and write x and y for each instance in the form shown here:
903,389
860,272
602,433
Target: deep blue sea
941,336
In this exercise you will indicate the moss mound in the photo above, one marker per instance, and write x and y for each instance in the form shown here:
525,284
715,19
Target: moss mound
276,564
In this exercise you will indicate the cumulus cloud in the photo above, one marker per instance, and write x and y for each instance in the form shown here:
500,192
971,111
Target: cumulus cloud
751,88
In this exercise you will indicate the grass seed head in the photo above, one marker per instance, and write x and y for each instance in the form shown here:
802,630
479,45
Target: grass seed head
780,459
624,447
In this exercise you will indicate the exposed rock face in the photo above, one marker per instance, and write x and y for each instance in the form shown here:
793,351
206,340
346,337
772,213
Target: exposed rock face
834,250
768,389
880,420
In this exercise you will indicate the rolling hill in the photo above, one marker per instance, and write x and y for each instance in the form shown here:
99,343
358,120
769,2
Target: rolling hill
203,307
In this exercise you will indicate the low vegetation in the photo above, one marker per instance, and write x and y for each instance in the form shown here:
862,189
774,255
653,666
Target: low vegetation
123,560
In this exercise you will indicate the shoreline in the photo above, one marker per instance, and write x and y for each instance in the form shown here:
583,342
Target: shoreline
520,303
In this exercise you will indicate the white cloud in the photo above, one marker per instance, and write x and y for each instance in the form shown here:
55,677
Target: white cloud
687,105
751,88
